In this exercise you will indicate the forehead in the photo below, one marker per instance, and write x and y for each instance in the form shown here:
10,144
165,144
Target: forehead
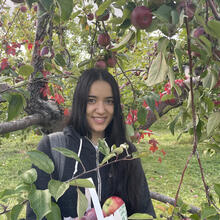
101,88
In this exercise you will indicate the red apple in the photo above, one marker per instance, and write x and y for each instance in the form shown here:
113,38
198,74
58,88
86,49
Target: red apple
90,16
23,8
103,17
44,51
111,61
190,9
101,64
35,8
195,54
104,39
111,205
90,214
141,17
198,32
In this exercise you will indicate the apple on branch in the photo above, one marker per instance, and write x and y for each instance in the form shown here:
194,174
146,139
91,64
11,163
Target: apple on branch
104,39
111,205
141,17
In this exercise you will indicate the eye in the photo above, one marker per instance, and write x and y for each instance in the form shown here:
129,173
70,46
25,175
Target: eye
109,101
91,100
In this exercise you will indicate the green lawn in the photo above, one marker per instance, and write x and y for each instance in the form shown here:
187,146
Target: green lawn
162,177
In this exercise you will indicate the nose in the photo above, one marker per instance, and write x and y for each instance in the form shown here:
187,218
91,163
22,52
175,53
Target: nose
100,107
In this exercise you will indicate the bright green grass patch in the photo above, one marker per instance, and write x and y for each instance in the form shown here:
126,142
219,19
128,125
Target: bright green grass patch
165,177
14,158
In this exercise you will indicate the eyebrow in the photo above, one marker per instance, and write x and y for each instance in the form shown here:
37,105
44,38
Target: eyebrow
93,96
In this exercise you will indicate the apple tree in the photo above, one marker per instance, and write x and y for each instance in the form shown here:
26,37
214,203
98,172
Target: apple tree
164,53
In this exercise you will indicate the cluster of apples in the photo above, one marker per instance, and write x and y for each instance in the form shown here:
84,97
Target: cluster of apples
109,207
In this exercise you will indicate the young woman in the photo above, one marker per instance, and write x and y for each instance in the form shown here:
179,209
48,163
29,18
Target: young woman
96,113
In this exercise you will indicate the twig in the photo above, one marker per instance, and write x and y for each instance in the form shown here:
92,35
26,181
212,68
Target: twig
214,11
181,180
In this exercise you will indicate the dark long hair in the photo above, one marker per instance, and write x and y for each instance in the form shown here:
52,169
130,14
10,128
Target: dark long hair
115,131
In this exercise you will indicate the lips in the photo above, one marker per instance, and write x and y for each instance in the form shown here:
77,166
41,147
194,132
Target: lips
99,120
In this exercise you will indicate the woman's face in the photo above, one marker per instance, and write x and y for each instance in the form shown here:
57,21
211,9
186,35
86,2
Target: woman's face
100,108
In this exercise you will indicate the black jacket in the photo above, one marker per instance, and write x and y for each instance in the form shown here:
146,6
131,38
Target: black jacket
125,179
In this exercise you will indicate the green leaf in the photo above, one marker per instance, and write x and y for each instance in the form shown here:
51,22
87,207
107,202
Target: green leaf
140,216
167,97
16,104
207,45
57,188
179,54
126,14
26,70
209,81
107,158
208,212
82,183
66,8
30,176
162,44
212,28
47,4
121,2
141,154
118,150
158,70
217,190
82,203
7,192
84,62
55,213
103,7
163,13
150,101
41,160
124,42
30,2
129,130
103,147
173,123
16,211
59,60
23,188
175,17
68,153
142,115
213,122
40,202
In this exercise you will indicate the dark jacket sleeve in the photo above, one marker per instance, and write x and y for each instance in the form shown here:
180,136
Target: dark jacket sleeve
42,177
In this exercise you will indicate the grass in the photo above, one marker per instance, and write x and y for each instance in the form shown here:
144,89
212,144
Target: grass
165,177
162,177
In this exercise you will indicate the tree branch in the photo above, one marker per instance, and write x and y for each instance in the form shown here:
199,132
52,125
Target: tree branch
214,11
20,124
166,199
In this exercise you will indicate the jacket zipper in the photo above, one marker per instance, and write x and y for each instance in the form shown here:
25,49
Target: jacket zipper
98,171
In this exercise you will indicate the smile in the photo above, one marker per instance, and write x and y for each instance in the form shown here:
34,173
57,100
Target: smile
99,120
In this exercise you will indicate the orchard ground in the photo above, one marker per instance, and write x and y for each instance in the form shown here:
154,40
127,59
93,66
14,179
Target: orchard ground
162,177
